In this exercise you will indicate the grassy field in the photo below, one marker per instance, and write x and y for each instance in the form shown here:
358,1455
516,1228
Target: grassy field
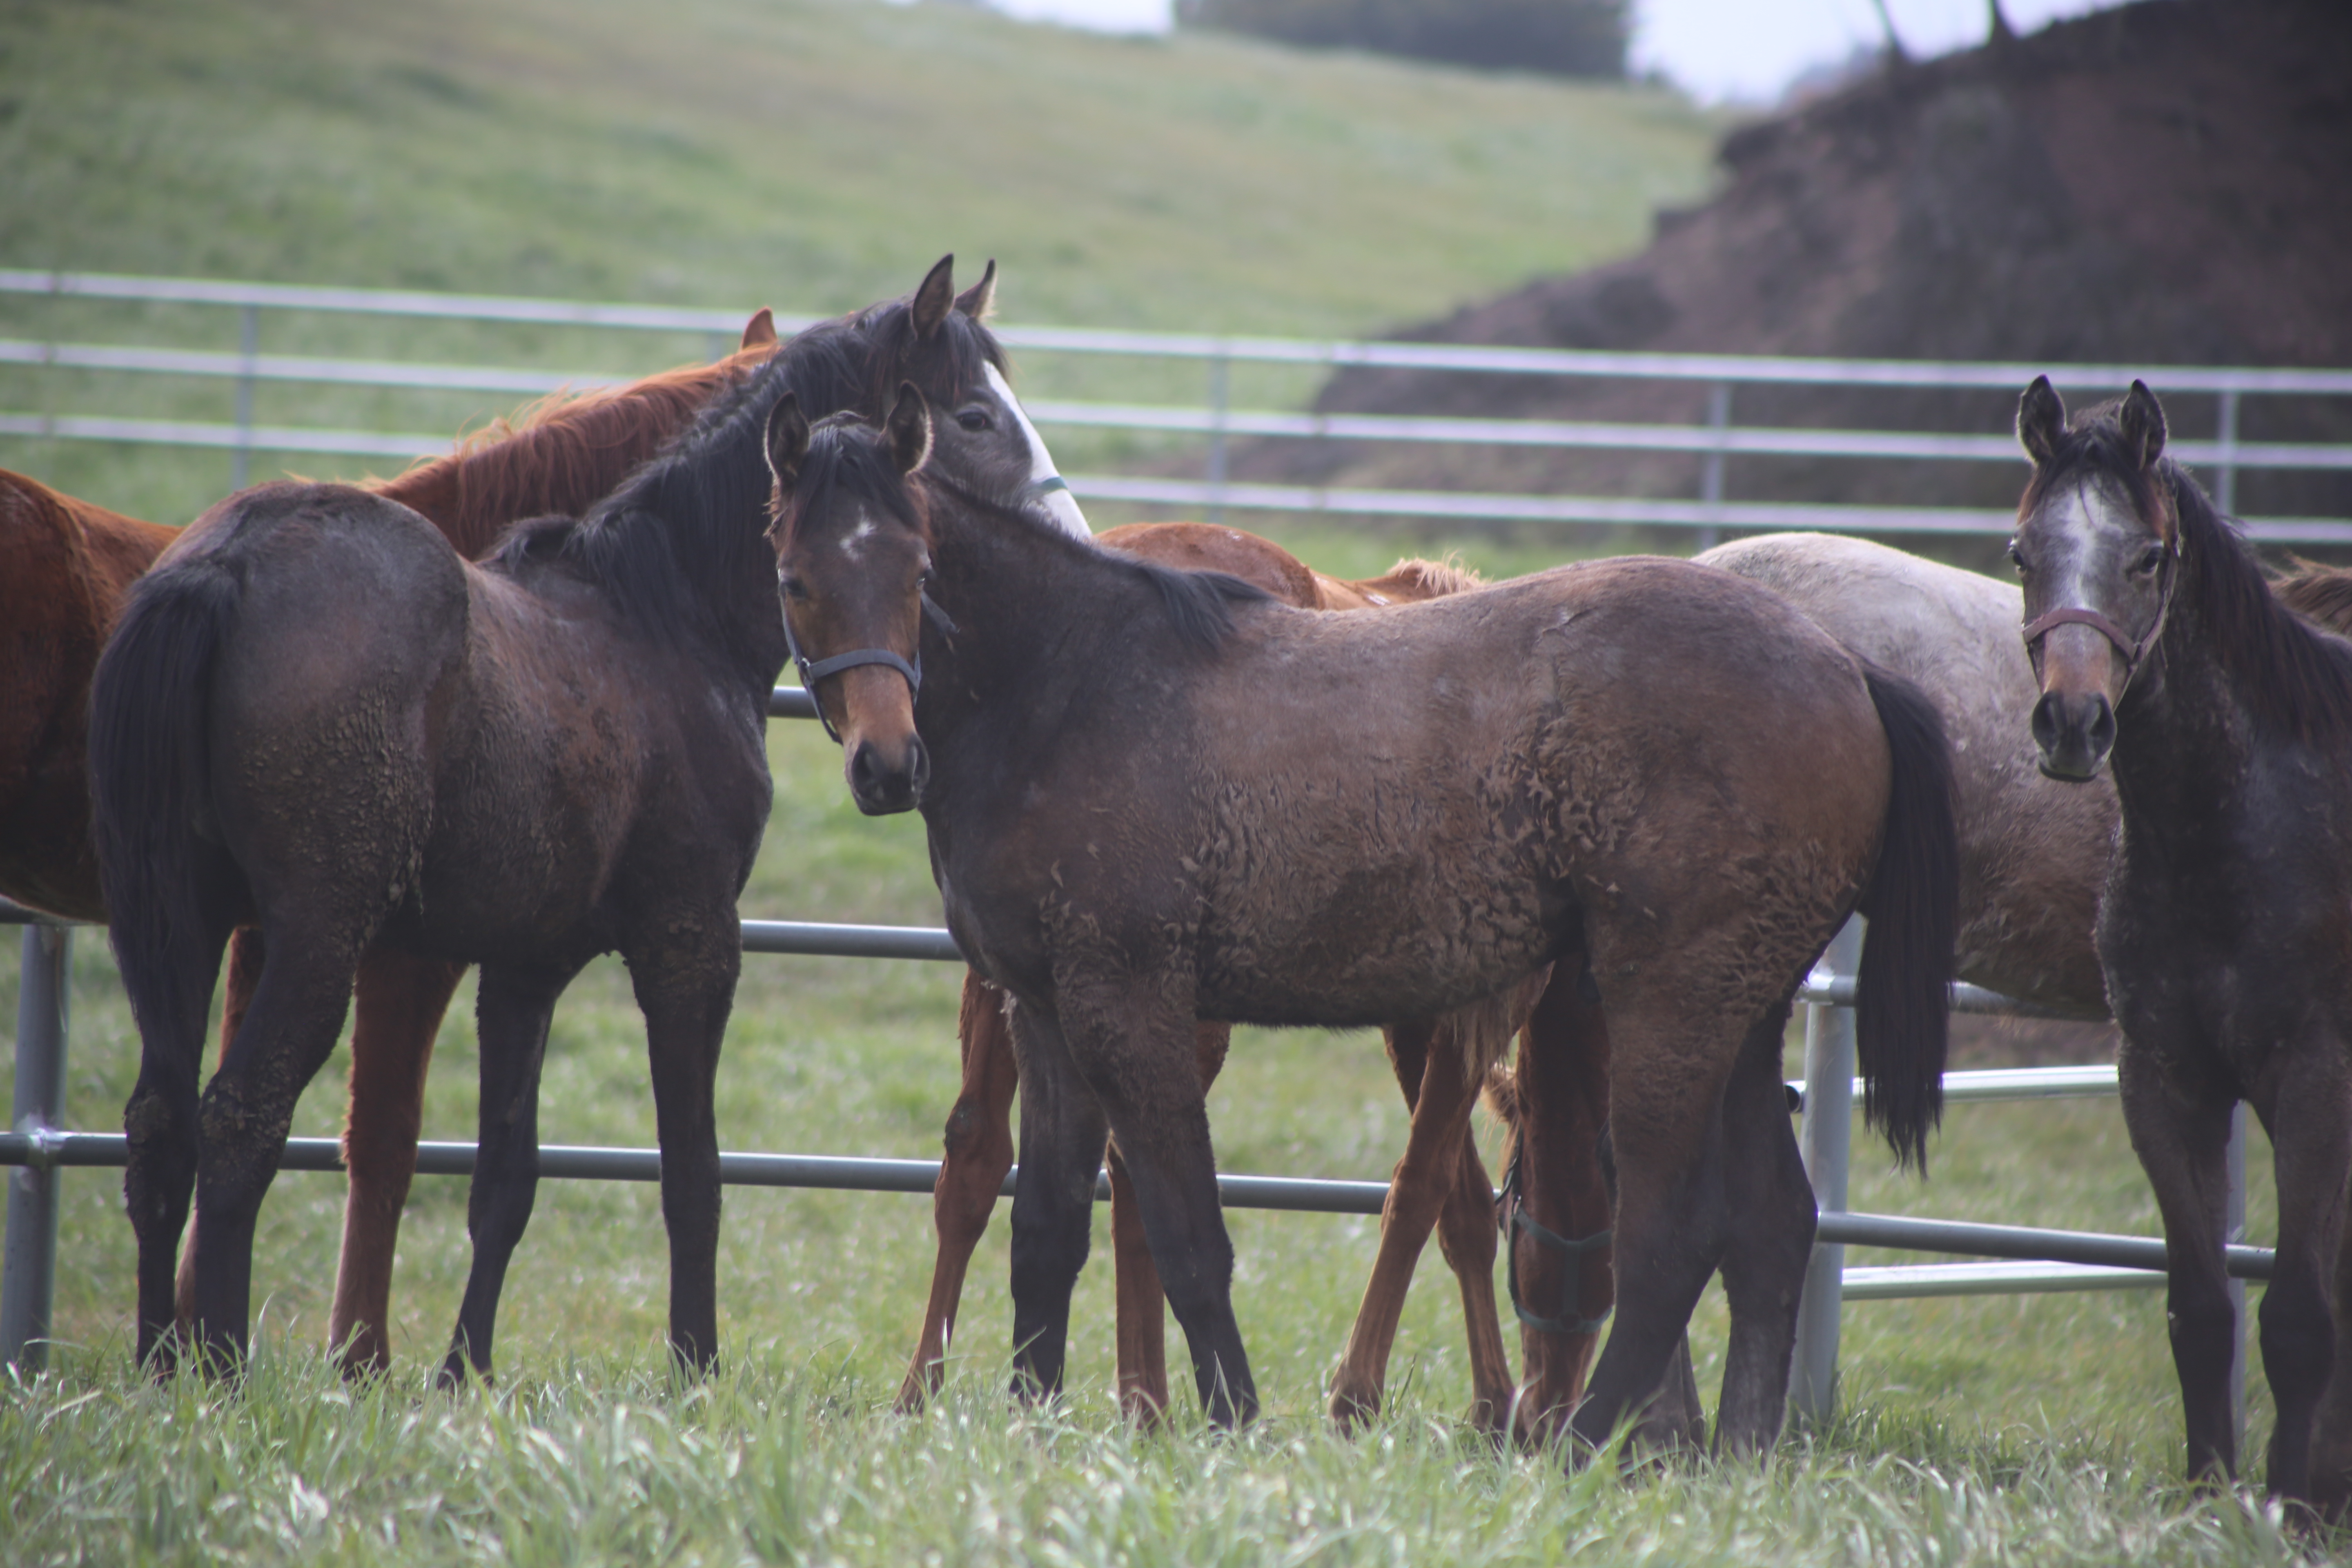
1992,1429
811,154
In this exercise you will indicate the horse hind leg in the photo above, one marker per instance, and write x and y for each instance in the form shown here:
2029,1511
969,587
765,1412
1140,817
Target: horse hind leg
2331,1444
978,1152
245,954
1773,1224
400,1000
1672,1212
287,1033
161,1122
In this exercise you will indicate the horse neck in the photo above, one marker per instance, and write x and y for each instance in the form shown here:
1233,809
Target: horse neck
562,460
2188,738
1033,613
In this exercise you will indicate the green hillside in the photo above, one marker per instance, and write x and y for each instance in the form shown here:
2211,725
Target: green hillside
809,153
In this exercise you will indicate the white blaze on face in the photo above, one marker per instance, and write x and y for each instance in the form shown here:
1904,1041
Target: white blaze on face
1058,503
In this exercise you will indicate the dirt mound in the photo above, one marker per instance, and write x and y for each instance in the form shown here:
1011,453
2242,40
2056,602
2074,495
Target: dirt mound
2160,183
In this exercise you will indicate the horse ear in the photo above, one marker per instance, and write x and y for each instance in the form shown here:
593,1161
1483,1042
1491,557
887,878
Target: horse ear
760,330
2041,421
935,297
980,297
909,427
788,439
2142,421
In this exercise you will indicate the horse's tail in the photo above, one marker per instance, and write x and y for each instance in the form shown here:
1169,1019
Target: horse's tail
151,791
1903,996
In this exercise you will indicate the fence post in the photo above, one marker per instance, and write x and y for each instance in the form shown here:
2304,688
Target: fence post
2234,1232
28,1268
1824,1137
1710,481
1219,406
2225,467
249,346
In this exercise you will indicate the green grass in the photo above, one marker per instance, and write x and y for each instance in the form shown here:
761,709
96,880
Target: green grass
812,154
1987,1429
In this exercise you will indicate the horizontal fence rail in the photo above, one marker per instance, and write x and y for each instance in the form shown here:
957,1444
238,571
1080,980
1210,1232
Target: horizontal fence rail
1714,442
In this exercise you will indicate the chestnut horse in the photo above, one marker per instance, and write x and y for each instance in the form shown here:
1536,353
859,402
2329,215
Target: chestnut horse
1440,1181
2224,933
524,764
1154,796
69,565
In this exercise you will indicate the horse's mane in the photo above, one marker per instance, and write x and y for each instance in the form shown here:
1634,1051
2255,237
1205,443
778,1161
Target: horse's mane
1435,579
668,543
2293,676
561,454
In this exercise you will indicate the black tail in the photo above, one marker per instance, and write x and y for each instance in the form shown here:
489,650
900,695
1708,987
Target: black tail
1903,997
160,861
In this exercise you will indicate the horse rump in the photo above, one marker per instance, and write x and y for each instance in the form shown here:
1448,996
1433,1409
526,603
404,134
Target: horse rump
1903,996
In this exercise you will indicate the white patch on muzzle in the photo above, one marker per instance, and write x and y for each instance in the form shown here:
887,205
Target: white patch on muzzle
1057,503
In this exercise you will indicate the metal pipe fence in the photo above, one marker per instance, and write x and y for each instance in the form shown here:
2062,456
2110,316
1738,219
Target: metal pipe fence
1714,441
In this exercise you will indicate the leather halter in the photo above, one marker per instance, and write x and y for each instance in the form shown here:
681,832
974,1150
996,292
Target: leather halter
814,671
2132,650
1510,1212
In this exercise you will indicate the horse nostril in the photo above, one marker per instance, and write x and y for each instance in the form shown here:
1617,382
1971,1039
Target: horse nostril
2102,727
918,767
2044,723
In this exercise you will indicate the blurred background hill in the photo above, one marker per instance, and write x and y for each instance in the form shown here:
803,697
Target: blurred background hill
2163,182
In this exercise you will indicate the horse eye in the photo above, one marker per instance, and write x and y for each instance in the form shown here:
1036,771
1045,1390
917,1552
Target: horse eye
2149,559
2017,557
792,587
974,418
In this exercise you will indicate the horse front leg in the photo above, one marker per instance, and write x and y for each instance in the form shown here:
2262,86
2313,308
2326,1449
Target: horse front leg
1143,1302
686,988
2311,1138
513,1009
2183,1145
1135,1051
978,1152
1062,1132
399,1001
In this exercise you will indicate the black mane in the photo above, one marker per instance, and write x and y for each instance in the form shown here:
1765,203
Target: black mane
668,543
2293,676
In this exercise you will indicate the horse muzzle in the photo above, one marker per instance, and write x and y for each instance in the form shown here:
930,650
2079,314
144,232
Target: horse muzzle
883,784
2073,733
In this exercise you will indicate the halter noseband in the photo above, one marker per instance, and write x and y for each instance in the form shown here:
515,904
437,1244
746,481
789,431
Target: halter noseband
2041,626
1510,1212
814,671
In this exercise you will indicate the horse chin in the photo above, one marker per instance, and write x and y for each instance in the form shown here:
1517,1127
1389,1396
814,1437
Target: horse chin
2071,773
